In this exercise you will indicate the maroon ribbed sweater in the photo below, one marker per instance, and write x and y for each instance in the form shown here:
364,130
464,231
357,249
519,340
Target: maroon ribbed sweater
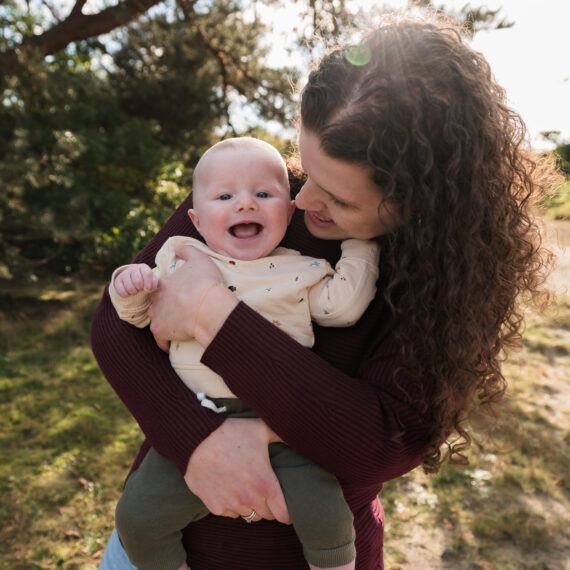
337,403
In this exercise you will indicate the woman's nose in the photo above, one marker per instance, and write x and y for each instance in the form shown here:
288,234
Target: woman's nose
308,197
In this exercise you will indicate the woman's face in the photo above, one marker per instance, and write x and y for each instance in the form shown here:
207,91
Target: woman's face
339,198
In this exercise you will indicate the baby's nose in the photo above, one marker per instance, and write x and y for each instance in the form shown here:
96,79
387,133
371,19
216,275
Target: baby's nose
246,202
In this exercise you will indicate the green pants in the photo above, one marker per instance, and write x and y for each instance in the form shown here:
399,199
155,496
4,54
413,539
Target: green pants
156,506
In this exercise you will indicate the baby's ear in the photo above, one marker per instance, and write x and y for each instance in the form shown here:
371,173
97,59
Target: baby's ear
194,218
291,210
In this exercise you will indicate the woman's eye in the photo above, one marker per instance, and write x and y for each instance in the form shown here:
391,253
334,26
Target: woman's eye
262,194
224,197
339,203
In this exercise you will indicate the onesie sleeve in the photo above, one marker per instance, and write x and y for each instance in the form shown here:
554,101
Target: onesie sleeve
134,308
341,299
141,374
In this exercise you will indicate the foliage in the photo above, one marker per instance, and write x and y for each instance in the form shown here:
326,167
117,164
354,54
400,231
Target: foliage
74,164
99,133
97,142
562,151
473,18
559,204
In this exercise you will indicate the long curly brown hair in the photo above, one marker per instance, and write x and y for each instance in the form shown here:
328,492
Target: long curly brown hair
423,109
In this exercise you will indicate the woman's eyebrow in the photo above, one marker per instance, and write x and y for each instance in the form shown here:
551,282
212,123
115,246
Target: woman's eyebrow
326,191
341,200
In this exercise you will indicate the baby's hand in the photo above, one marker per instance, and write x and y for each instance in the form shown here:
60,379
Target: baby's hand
135,278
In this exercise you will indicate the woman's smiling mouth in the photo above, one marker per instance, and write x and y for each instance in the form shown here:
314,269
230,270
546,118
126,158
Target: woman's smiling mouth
319,219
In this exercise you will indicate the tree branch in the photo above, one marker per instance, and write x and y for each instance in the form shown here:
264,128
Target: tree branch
220,56
53,11
77,26
78,8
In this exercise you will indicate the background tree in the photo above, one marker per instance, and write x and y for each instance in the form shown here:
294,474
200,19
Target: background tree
105,110
97,140
473,18
561,150
327,20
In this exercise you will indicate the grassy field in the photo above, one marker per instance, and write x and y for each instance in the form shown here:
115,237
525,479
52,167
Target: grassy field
66,439
67,442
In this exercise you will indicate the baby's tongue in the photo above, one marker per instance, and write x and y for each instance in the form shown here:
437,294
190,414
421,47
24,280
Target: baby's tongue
245,230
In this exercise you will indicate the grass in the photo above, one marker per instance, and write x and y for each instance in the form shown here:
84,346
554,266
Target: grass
510,508
558,205
66,443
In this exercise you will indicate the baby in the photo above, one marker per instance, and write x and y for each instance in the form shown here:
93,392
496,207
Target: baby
242,207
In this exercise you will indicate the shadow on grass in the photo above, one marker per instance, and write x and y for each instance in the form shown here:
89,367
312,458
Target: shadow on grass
66,441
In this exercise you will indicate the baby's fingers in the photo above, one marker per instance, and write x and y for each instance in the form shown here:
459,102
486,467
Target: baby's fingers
135,278
124,284
120,288
149,279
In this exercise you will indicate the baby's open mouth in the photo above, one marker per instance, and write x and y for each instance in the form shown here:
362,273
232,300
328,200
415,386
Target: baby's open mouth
245,230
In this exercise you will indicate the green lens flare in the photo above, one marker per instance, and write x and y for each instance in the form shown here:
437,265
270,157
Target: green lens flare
357,55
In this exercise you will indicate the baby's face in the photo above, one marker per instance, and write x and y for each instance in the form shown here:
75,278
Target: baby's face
242,202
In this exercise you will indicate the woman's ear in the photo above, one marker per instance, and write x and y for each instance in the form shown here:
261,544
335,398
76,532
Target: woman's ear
194,218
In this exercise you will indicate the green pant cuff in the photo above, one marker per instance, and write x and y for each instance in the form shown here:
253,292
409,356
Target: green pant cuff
331,557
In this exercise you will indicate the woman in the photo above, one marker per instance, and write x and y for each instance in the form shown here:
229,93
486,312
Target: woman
406,138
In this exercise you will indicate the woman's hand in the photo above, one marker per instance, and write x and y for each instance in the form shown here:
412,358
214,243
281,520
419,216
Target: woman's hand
187,303
230,471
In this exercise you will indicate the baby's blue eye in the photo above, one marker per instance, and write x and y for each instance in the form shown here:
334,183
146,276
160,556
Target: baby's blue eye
262,194
224,197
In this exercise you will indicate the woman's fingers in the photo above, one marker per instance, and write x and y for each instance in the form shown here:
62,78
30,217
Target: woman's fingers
175,302
231,472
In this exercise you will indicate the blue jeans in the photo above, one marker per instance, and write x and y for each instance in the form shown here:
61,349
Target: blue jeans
115,557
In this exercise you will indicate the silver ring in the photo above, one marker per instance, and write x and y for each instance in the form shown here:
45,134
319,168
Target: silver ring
249,517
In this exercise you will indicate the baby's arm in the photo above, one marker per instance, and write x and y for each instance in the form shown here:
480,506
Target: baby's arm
134,278
341,299
130,289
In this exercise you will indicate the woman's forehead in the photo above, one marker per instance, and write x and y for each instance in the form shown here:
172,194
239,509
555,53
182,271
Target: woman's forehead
333,174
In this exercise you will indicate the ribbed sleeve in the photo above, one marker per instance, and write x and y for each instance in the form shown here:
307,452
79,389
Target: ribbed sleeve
141,374
338,403
357,425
